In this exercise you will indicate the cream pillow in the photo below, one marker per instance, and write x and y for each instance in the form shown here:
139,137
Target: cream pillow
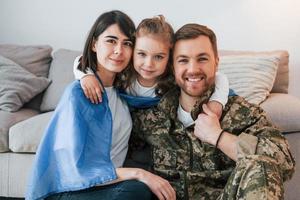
250,76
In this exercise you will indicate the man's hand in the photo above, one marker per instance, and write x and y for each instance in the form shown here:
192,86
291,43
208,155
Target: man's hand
92,88
207,126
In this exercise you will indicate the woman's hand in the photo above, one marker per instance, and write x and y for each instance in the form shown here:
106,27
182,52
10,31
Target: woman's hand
92,88
159,186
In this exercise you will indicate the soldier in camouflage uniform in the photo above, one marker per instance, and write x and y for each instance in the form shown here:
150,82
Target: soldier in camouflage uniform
240,156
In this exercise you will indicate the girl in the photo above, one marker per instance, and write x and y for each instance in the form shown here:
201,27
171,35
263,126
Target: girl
152,76
85,145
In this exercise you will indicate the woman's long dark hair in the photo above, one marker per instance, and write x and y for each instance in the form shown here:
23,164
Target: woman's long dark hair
126,25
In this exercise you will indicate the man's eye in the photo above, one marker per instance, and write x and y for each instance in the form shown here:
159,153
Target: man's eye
203,59
158,57
128,43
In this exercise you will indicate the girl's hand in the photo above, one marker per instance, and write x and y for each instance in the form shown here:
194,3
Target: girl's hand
92,88
216,108
159,186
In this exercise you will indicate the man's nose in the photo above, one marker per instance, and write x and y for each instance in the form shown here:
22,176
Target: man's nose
194,66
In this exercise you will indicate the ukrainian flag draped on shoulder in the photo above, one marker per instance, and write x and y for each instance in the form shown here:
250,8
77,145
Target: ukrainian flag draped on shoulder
74,152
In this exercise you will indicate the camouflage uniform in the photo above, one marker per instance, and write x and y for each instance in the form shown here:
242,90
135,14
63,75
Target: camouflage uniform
198,170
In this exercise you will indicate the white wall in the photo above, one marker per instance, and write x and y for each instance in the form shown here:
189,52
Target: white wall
239,24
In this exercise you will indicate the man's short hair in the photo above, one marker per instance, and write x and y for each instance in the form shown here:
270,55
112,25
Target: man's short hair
192,31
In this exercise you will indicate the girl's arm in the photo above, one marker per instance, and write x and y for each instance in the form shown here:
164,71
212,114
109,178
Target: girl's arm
219,98
89,83
159,186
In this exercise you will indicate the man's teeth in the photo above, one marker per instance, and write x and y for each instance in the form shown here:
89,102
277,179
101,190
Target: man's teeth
195,79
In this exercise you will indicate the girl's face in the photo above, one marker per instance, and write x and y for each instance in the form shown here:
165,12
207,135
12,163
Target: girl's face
113,49
150,59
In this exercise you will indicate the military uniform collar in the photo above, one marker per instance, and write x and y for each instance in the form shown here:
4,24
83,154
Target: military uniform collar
170,101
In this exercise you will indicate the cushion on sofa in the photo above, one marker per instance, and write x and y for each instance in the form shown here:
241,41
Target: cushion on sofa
34,58
284,111
25,136
61,74
250,76
282,77
17,85
7,119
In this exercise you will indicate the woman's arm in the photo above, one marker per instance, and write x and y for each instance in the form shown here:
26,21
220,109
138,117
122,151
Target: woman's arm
159,186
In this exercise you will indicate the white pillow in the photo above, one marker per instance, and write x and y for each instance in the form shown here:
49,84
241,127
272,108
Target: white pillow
250,76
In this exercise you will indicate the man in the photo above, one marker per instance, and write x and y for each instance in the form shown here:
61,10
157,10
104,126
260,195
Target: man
242,156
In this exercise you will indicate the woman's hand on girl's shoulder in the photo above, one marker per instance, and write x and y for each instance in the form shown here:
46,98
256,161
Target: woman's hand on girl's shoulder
92,88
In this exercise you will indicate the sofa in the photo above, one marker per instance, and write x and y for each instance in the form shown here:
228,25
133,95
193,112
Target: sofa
23,122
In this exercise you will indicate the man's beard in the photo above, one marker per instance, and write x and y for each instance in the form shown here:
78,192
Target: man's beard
207,85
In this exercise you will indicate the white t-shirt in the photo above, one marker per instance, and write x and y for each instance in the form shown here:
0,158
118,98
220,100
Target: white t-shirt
136,89
122,123
221,89
184,117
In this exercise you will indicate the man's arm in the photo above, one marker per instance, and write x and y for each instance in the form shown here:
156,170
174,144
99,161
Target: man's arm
208,129
248,132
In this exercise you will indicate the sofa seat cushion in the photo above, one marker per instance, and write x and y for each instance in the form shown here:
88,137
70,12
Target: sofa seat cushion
284,111
26,135
7,119
61,74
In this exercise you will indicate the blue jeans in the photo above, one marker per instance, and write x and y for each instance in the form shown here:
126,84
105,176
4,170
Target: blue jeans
125,190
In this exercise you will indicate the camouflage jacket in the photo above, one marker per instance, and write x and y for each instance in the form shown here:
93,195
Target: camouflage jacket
195,168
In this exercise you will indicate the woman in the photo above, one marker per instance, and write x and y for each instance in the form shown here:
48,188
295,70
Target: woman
85,145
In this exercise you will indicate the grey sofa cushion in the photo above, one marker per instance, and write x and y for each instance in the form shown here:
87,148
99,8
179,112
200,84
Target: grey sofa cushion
25,136
7,119
61,74
34,58
284,111
282,77
17,85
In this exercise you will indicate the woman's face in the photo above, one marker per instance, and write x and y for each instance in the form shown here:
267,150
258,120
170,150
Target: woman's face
113,49
150,59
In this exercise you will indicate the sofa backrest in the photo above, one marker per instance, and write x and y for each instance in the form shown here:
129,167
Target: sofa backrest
282,77
61,74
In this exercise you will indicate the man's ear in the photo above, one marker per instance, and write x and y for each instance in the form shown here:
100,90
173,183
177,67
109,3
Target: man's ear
217,63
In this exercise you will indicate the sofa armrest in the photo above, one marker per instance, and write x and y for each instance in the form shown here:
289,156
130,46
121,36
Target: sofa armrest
8,119
284,111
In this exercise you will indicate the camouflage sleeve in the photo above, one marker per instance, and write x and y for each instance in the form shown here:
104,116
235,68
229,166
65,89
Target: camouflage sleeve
258,136
147,122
